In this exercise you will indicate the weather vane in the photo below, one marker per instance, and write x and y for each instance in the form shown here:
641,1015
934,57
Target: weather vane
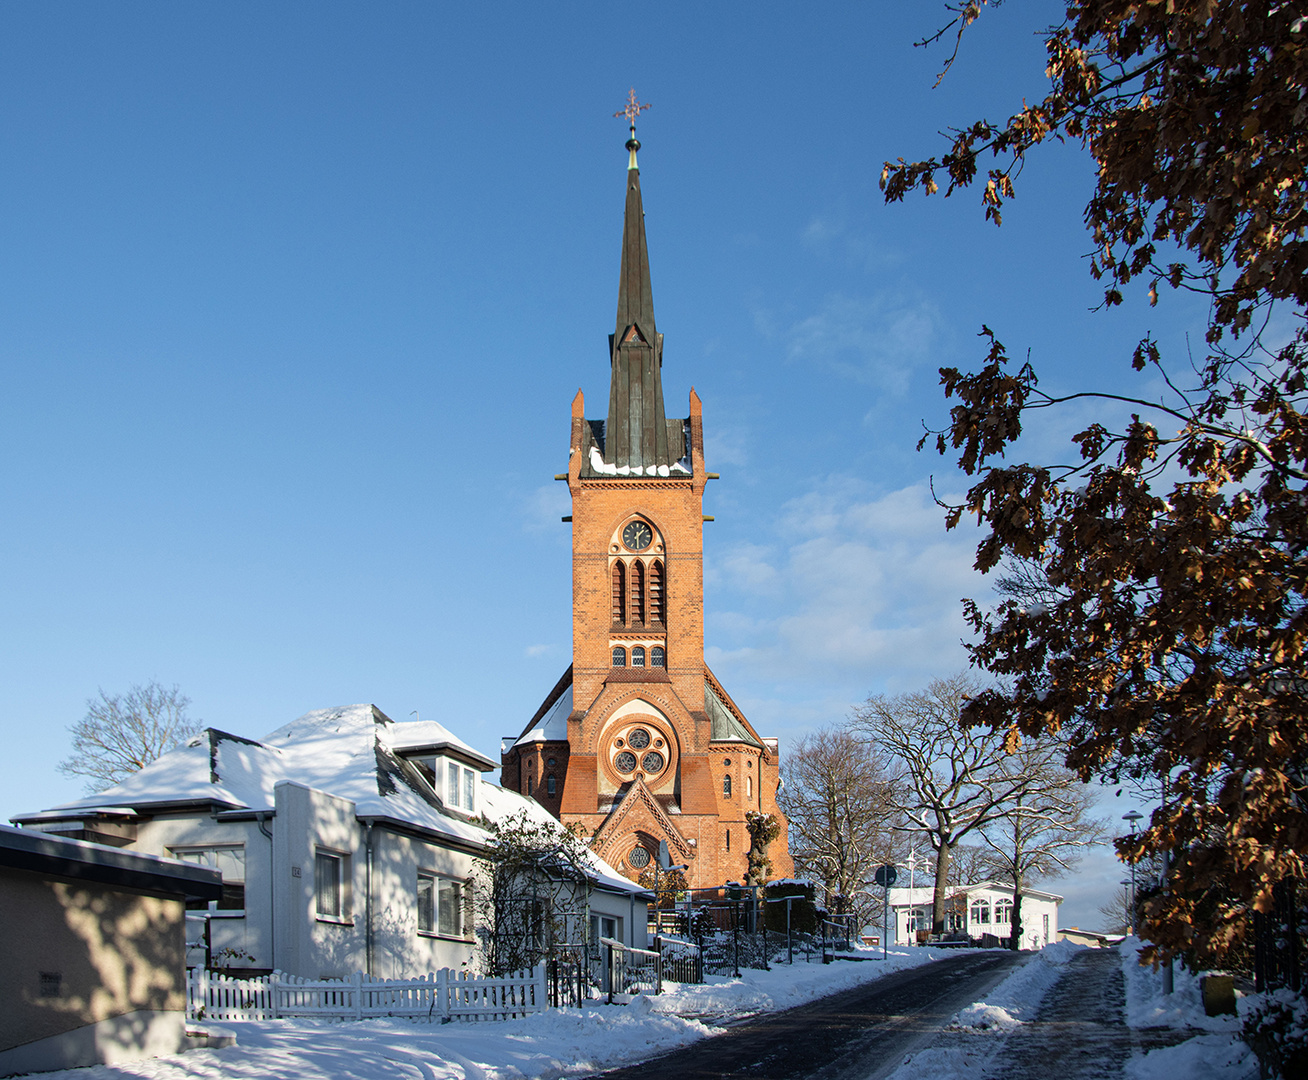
632,111
633,108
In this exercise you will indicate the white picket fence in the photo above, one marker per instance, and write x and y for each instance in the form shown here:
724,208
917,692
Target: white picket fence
440,995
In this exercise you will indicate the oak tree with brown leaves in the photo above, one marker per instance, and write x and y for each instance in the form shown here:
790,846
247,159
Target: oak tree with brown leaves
1175,547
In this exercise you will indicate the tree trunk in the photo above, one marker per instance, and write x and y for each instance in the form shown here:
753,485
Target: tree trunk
943,854
1015,934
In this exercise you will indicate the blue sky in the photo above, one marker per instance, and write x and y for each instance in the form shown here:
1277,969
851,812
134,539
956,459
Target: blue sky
297,296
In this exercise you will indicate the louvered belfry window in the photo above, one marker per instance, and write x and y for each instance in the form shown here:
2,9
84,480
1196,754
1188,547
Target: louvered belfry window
656,592
637,592
619,592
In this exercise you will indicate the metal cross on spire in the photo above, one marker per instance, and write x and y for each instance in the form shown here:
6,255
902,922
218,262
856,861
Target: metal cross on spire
632,111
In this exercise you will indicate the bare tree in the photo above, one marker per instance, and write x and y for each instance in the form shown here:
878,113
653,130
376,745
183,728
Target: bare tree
956,780
1048,825
839,798
122,734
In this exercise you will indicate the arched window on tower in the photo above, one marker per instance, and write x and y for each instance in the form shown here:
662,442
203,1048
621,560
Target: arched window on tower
726,787
656,614
619,592
638,656
637,607
657,657
619,656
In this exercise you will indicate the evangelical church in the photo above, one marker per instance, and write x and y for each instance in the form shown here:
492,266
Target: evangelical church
638,742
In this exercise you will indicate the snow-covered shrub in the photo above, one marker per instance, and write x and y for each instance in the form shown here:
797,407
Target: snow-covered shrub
1276,1028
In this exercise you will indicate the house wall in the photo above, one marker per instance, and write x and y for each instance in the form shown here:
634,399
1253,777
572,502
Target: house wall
1034,912
114,983
236,940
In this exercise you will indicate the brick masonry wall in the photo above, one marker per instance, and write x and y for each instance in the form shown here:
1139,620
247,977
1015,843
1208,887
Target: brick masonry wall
673,506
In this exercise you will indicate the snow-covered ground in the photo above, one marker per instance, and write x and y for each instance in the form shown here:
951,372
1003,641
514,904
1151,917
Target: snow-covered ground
1218,1054
572,1042
556,1043
1013,1002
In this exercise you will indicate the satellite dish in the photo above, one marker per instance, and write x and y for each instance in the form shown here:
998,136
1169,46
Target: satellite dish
664,859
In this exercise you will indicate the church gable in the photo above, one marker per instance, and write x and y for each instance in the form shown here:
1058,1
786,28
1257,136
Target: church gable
638,821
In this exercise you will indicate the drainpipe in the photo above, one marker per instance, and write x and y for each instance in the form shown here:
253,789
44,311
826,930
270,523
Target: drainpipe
262,818
367,895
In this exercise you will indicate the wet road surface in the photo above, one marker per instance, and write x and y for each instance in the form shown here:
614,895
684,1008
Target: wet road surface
857,1034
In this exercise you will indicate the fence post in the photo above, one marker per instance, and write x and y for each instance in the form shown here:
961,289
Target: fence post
540,988
358,995
443,992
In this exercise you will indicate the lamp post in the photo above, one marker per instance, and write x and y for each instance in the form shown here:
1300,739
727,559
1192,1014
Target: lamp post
1131,818
1128,914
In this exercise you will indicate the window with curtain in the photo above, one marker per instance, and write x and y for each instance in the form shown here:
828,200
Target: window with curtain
329,884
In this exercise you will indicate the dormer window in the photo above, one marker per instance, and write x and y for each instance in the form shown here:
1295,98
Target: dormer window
454,782
460,787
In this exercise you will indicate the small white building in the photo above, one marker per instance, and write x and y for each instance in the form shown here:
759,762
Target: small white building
347,843
978,910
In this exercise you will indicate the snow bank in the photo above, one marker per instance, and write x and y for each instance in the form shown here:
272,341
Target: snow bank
1219,1055
1016,1000
1148,1006
1205,1057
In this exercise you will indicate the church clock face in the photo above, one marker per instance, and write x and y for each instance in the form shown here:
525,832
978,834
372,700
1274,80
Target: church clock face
637,536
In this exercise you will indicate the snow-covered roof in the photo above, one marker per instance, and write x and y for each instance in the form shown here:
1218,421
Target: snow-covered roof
351,752
436,738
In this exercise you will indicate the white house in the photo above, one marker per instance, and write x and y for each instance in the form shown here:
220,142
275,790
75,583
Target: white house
977,910
346,842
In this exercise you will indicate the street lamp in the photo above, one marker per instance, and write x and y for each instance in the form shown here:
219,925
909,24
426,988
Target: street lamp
1128,915
1132,817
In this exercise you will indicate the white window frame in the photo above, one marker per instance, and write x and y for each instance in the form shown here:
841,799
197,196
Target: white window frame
459,786
339,864
217,857
446,914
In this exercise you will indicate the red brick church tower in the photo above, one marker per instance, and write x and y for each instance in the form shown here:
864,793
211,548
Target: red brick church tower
638,741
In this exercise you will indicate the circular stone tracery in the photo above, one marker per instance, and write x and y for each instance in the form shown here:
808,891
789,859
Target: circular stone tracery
638,748
639,857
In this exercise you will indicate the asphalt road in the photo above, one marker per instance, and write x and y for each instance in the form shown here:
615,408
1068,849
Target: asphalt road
859,1034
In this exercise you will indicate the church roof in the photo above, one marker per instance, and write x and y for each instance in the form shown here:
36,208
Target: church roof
728,722
636,434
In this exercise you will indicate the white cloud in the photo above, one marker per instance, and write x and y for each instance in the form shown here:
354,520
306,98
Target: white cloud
878,340
538,650
859,590
544,506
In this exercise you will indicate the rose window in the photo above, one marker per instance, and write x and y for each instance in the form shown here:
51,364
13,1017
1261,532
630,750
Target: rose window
639,857
639,749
